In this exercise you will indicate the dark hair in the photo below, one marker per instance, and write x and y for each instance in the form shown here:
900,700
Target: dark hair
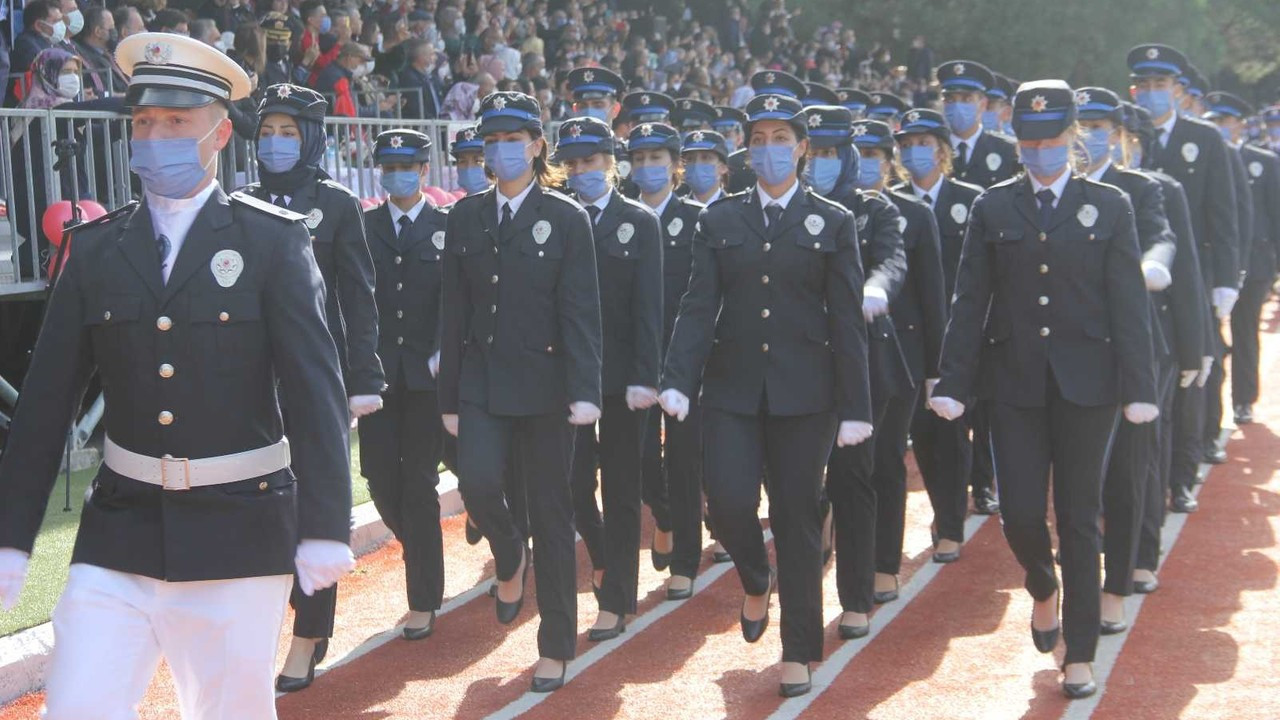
168,19
200,26
251,46
308,8
95,16
120,14
37,10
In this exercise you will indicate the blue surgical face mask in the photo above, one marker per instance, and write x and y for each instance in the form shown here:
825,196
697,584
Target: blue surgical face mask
650,178
589,185
506,159
601,114
869,169
991,119
919,160
326,24
1097,144
277,153
822,174
773,163
1157,102
701,177
171,167
472,179
401,183
961,116
1045,162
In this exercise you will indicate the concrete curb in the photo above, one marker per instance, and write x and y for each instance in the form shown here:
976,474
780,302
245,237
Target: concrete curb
24,656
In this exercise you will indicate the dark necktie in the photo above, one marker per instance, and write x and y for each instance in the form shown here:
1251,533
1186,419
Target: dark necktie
773,213
404,222
282,202
506,219
927,200
1045,197
594,212
962,158
163,246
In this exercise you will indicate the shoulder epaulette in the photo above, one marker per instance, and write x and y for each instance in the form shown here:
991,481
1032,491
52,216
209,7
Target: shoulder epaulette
119,212
265,207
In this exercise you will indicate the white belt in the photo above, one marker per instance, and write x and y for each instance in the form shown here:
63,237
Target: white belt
183,473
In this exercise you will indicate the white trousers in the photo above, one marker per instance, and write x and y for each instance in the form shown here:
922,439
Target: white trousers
219,637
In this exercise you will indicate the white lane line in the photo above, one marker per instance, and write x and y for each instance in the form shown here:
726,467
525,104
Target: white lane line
597,653
1109,648
829,670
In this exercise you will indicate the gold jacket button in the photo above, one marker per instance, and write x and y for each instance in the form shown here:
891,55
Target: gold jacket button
262,485
163,323
166,371
224,316
165,418
1044,332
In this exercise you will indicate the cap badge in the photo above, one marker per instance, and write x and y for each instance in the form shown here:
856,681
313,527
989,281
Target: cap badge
396,141
644,99
157,53
469,134
912,117
1153,53
1039,103
646,130
815,120
771,104
770,77
697,136
284,91
842,96
499,103
588,76
686,105
1083,97
859,130
959,69
575,131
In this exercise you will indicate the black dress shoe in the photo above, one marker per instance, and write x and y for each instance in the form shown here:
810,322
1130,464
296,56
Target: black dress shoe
507,611
1183,501
790,690
985,502
1113,628
753,630
721,556
1045,640
546,685
680,593
422,632
946,557
608,633
1244,414
474,535
1145,587
886,596
1214,454
661,561
493,589
1079,691
853,632
287,684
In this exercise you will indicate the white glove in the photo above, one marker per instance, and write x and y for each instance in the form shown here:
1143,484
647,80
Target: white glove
929,385
13,574
450,423
641,398
433,364
946,408
321,563
361,405
1188,377
1224,298
1206,364
1141,413
675,403
1156,275
583,413
853,432
874,302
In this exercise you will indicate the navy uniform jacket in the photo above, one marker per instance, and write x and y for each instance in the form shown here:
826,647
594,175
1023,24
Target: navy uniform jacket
336,221
951,211
1244,207
520,328
629,263
1183,308
408,293
1196,156
677,225
773,316
920,310
741,176
1263,169
1070,299
189,369
992,159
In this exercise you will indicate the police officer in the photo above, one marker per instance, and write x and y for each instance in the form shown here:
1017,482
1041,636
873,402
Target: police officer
400,445
467,151
673,469
999,113
1193,152
290,148
629,265
818,94
1051,313
771,329
595,92
705,154
853,99
1262,170
521,346
764,82
690,114
189,305
638,107
729,122
1134,452
887,108
941,447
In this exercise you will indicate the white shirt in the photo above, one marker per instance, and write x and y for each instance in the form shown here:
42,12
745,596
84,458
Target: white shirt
172,217
600,203
1057,186
969,142
931,193
1097,174
287,199
662,206
1167,127
783,202
514,202
719,194
413,213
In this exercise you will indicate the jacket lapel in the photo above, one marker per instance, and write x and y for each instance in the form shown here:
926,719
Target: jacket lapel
794,214
138,243
1071,198
489,214
200,244
528,214
609,219
755,213
1025,201
380,226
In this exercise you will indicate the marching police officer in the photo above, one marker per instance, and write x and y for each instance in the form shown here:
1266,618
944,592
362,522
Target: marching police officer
705,155
629,264
467,150
853,99
690,114
638,107
819,94
400,445
291,145
941,447
729,122
771,329
190,305
595,92
521,347
887,108
999,113
1050,313
764,82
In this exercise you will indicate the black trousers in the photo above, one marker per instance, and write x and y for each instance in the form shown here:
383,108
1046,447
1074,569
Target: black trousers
1071,442
1155,506
1245,317
1213,389
982,471
400,448
545,445
739,449
1187,440
944,455
889,478
853,509
1133,477
672,480
612,540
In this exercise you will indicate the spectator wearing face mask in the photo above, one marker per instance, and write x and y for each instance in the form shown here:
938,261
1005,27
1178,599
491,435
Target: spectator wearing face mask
339,78
94,43
45,28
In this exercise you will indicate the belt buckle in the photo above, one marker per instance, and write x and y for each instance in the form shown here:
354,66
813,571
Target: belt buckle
184,464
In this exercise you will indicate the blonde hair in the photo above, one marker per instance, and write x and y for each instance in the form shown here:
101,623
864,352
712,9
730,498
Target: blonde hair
945,161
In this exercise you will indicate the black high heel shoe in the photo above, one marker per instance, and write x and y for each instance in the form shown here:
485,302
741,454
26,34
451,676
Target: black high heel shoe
790,690
287,684
546,685
422,632
661,561
1046,640
618,628
887,596
507,611
474,536
1078,691
853,632
753,630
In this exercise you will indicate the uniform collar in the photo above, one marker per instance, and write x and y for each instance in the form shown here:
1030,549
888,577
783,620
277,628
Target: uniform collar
970,141
1057,186
932,192
413,213
1096,176
516,201
784,200
662,206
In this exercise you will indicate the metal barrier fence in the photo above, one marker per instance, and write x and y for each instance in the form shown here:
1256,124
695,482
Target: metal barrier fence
31,177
